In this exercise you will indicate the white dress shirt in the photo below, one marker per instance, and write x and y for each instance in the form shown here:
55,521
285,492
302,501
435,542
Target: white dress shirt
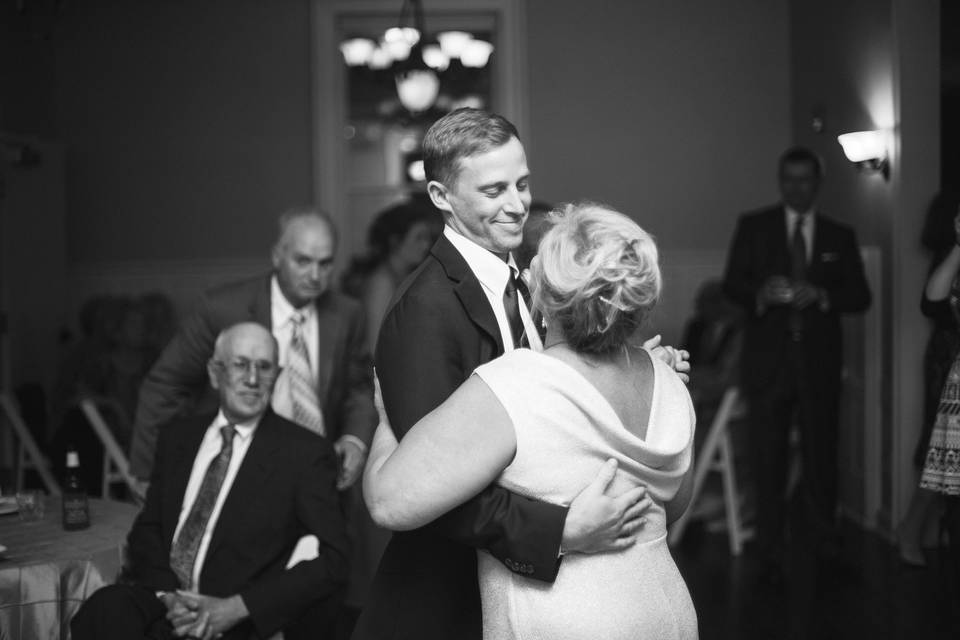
806,227
210,448
281,321
492,272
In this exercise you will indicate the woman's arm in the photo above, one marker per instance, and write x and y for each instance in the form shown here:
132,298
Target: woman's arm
446,458
941,278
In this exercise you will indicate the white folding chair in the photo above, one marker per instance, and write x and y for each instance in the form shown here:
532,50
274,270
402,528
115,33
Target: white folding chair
28,453
717,455
116,467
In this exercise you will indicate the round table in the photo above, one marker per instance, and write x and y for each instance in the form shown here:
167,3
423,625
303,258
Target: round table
46,573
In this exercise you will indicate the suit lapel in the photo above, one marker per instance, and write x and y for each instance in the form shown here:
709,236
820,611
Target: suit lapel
780,233
813,269
181,465
250,480
468,289
328,337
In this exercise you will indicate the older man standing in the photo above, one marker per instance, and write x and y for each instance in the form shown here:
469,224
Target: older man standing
326,384
230,496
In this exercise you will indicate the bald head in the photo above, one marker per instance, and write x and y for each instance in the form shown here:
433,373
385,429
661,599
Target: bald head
303,255
243,370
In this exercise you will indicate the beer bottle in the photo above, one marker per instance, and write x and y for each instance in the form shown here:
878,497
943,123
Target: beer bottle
76,508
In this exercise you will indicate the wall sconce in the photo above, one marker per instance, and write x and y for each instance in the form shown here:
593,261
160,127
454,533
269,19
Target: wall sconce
868,150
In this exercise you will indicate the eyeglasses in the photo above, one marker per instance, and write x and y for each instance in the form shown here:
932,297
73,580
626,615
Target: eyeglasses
241,367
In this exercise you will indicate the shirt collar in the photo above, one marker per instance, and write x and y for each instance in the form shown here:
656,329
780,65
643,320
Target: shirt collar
244,429
793,213
281,311
490,270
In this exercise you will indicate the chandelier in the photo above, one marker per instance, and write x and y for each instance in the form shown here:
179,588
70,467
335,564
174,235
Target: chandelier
416,61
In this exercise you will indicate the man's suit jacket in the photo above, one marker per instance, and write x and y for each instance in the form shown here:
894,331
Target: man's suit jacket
283,490
177,383
438,330
760,250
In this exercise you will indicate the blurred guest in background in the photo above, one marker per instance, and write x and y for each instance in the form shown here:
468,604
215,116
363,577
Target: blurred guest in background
198,564
107,365
941,468
942,348
712,337
536,226
794,271
327,380
398,241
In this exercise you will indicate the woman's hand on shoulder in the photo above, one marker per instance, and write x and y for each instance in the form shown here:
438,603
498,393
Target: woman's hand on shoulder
679,359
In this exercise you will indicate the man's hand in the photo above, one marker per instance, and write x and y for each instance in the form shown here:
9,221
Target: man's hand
805,294
679,359
775,290
139,490
597,522
205,617
352,459
183,619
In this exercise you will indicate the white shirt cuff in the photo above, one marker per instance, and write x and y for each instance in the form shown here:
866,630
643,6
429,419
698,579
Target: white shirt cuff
355,440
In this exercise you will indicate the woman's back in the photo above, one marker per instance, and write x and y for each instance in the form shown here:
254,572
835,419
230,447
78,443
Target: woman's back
566,428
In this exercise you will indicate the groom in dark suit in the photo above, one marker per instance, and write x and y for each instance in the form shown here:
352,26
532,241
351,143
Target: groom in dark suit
331,395
461,308
230,496
794,271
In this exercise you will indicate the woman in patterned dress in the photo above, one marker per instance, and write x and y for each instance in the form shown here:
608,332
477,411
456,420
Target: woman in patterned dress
941,470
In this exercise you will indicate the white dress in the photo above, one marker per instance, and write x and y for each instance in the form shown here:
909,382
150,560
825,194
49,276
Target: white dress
566,429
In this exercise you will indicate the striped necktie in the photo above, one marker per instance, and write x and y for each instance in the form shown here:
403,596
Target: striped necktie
511,304
183,553
300,380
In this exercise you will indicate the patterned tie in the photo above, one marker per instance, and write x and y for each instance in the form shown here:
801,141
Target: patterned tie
303,387
511,305
183,553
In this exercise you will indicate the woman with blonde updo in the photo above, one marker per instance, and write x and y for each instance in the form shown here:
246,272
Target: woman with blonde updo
542,424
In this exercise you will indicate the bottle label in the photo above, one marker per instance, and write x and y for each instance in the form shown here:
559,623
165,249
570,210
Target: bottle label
76,511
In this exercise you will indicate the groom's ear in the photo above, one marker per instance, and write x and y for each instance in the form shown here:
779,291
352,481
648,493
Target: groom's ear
439,195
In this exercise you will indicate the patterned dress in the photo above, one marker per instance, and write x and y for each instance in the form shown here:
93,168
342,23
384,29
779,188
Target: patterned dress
941,470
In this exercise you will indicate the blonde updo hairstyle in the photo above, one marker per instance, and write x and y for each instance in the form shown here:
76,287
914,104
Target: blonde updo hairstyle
596,275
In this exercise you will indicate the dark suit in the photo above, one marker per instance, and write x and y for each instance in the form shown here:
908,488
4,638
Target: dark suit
177,382
284,489
439,329
783,369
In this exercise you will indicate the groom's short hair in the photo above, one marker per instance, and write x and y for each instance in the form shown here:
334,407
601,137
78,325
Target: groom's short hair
460,134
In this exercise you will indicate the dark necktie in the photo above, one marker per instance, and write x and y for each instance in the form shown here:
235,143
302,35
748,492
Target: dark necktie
511,304
798,251
183,554
798,272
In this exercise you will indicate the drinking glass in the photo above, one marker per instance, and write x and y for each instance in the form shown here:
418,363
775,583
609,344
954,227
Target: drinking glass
30,505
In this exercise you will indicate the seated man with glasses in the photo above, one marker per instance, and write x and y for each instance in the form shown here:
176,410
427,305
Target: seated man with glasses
230,496
327,380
